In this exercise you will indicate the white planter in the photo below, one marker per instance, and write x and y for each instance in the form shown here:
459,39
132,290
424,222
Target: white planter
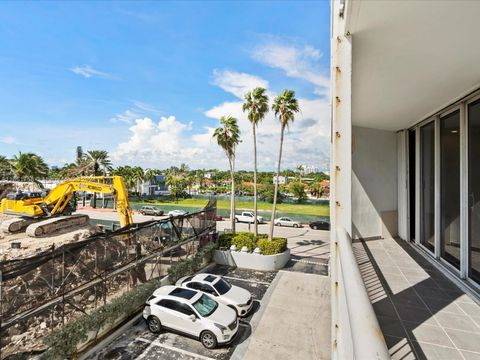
251,260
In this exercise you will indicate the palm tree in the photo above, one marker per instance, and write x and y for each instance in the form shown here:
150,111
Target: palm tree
256,103
138,177
228,137
94,161
285,106
28,166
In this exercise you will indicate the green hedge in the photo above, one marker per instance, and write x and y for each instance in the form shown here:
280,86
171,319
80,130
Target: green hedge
240,239
63,343
244,239
192,264
272,247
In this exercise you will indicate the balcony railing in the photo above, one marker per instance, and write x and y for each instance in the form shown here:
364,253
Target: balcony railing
356,333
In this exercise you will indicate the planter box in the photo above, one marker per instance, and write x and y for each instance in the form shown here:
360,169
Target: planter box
252,261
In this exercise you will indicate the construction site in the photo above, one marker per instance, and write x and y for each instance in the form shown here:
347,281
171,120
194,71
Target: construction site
56,266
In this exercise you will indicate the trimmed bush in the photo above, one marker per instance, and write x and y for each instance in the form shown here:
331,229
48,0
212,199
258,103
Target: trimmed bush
244,239
272,247
225,240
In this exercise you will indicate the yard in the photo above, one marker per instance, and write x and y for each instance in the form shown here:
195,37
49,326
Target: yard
303,209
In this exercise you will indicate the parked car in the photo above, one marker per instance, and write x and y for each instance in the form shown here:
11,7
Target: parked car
233,296
151,210
192,313
319,225
285,221
177,213
217,217
248,217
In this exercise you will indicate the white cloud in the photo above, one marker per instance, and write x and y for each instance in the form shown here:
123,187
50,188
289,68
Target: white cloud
87,71
237,83
297,61
159,144
9,140
138,110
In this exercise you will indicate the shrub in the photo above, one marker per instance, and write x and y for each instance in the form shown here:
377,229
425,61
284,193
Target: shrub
225,240
62,343
244,239
272,247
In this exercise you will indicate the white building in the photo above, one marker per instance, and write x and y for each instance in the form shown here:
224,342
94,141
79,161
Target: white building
405,142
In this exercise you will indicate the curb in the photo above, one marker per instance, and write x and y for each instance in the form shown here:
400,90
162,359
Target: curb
241,349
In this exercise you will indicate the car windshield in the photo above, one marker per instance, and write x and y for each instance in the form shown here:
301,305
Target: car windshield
222,286
205,305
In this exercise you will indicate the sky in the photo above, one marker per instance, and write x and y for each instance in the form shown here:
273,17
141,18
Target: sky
148,81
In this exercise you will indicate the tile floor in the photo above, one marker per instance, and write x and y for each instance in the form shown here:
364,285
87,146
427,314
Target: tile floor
423,314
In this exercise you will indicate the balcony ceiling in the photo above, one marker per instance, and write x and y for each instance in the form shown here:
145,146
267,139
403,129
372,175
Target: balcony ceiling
411,59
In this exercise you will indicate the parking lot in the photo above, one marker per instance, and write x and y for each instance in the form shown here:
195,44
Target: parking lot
137,342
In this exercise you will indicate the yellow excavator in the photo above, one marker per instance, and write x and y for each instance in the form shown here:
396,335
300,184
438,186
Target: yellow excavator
42,215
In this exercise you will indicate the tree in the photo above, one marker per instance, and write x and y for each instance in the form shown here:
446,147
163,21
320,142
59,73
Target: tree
285,106
297,188
256,103
176,185
316,188
93,163
228,137
5,168
28,166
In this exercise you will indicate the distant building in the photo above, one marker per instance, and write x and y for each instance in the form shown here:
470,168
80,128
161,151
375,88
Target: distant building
156,186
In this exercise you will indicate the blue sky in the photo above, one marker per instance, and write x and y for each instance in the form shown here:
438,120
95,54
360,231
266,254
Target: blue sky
147,81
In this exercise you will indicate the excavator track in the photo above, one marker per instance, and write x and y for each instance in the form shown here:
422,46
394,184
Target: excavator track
15,225
55,224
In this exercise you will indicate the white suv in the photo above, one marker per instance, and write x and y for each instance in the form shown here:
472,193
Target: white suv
192,313
233,296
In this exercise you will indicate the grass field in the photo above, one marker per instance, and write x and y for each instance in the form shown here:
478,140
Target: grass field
305,209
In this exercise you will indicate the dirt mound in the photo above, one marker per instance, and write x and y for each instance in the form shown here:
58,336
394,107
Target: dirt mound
7,186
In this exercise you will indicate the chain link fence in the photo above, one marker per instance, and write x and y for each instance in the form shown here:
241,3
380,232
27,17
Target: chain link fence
44,292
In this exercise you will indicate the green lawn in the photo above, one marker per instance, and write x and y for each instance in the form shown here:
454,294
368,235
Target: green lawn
305,209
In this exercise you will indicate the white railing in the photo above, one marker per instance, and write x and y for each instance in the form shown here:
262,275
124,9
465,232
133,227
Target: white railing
356,333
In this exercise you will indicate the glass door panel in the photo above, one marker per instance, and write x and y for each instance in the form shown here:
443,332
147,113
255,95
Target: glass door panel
450,188
474,190
427,186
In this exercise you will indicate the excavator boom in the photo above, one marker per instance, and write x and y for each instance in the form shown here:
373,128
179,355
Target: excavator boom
57,200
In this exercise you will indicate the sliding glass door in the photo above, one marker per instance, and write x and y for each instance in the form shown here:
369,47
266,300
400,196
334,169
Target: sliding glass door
450,188
427,189
474,191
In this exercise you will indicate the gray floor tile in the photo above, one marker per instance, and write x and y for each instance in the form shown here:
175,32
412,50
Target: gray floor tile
416,314
470,309
427,333
440,305
392,327
456,321
465,340
385,308
435,352
468,355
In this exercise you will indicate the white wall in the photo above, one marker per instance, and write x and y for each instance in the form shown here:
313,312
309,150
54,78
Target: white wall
374,183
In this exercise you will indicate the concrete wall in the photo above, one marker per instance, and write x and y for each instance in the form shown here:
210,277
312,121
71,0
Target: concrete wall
374,183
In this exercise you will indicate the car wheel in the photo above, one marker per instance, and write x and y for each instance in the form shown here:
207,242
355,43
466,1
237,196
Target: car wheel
236,220
208,340
154,324
278,224
295,225
141,212
315,227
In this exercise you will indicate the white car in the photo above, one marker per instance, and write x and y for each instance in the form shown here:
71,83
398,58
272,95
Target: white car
285,221
248,217
177,213
192,313
233,296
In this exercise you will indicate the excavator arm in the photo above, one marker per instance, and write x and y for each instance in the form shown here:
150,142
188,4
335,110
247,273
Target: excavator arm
56,201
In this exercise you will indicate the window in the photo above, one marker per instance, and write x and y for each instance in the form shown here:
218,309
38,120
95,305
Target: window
194,285
210,278
184,309
222,286
208,289
169,304
183,293
205,305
